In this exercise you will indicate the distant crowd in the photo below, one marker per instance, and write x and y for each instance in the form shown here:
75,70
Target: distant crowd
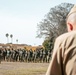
23,55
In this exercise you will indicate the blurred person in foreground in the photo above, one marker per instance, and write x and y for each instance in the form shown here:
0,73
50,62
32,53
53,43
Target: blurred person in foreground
64,54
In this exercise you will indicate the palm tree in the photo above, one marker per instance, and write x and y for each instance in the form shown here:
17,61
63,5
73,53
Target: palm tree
11,36
17,41
7,37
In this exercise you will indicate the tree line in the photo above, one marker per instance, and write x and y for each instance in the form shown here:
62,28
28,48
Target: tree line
11,36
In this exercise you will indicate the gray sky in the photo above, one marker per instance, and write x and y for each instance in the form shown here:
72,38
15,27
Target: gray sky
20,18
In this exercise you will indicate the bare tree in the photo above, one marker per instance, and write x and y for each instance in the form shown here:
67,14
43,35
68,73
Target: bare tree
55,22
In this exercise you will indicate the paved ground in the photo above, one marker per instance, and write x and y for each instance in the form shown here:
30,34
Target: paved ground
22,68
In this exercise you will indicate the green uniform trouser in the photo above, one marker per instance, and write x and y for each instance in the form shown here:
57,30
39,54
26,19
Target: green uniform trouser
0,58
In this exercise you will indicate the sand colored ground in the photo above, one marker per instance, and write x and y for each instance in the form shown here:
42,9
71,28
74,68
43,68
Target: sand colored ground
22,68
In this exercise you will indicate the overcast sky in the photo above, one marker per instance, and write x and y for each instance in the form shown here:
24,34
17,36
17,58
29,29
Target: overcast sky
20,18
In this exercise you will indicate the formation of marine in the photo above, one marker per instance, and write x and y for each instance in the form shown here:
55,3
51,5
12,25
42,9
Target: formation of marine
22,55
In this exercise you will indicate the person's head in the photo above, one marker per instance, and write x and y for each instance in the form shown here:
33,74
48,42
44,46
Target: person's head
71,19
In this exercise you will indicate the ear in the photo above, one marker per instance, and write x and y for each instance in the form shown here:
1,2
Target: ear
70,27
